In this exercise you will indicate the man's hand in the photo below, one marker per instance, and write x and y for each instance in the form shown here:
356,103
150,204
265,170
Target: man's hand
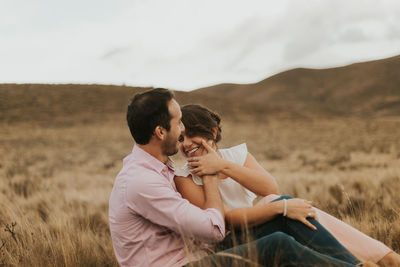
210,163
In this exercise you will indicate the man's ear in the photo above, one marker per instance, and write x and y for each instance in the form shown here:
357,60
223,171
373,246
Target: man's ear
160,132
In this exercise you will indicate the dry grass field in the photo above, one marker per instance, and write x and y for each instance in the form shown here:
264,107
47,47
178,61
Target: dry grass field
55,179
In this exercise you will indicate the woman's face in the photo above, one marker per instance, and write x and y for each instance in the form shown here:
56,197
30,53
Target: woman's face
191,146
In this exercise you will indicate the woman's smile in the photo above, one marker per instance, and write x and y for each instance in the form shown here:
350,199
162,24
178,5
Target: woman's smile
191,151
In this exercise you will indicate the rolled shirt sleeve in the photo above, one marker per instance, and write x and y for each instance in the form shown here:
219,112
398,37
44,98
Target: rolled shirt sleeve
156,200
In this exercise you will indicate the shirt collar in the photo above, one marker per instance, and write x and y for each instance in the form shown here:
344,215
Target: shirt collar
154,162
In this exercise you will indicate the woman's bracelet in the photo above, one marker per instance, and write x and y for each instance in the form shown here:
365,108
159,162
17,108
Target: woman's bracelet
284,207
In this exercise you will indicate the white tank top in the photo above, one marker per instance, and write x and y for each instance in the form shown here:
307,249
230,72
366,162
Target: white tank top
233,194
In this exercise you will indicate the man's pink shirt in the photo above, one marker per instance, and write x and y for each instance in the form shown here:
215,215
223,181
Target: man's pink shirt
148,216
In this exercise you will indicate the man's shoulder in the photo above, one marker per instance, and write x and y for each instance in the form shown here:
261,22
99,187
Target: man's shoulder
139,172
138,176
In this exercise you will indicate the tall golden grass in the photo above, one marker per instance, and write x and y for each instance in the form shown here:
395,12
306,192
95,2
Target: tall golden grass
55,181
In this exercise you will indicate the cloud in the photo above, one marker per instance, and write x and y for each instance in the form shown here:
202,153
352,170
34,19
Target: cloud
353,35
325,33
185,44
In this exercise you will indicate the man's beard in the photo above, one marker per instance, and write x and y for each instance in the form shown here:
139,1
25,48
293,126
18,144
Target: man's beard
169,147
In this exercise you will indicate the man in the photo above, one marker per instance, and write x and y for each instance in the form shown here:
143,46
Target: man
152,225
147,216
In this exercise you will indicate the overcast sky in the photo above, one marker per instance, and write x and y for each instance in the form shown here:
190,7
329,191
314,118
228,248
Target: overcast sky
187,44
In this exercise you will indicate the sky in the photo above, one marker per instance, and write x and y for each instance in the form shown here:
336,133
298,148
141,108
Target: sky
187,44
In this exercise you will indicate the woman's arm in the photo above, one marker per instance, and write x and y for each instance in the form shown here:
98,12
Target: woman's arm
250,216
251,175
297,209
194,193
190,191
237,217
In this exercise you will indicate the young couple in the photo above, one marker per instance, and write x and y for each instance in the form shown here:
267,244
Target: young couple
155,210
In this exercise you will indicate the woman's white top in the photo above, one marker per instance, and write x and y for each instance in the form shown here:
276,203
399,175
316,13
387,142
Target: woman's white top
233,194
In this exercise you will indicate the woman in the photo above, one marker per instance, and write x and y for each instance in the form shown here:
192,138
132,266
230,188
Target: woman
242,177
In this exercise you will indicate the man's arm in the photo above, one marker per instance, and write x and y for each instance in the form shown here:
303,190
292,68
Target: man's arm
156,200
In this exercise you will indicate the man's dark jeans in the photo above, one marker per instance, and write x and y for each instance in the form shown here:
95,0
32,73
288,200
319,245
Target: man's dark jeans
281,242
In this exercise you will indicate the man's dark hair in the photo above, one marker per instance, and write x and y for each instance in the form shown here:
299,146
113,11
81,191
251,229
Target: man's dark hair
200,121
147,111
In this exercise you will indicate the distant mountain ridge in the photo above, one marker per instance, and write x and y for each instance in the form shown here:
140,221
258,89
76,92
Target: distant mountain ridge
367,89
363,89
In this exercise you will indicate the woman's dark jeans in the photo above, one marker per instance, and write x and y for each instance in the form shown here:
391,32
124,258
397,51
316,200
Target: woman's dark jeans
277,249
284,242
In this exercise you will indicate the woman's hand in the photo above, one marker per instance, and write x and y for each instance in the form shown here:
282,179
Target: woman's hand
210,163
300,209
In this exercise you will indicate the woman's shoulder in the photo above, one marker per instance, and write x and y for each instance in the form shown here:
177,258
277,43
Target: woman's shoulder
237,154
184,171
238,148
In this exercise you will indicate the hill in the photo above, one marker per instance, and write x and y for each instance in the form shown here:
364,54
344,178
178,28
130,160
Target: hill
368,89
62,103
67,104
362,89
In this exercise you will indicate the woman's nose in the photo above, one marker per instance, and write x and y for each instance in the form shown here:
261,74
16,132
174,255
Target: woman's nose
186,142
